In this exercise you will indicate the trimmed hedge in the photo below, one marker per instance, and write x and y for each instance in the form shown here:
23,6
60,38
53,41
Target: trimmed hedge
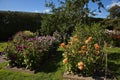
12,22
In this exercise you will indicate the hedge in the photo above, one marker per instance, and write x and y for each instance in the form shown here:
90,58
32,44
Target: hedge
12,22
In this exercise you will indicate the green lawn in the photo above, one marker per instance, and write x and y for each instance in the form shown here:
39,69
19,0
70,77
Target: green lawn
3,45
13,75
114,61
53,68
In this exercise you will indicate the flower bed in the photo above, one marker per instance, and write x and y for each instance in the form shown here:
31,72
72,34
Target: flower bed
30,52
84,53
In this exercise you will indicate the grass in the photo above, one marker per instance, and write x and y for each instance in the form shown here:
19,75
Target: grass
53,68
114,61
3,45
13,75
113,50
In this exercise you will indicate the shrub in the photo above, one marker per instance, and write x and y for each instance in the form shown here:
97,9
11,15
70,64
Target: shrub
25,34
30,52
84,52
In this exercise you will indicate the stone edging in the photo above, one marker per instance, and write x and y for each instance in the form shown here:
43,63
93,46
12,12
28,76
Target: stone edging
76,77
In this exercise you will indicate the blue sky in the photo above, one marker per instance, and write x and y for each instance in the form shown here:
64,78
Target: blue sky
39,6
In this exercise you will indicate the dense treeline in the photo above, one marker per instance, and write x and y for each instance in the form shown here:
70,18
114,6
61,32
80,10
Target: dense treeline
112,22
12,22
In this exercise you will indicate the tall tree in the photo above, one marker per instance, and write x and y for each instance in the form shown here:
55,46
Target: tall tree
65,16
114,11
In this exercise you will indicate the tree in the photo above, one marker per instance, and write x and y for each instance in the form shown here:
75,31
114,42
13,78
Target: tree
64,17
114,11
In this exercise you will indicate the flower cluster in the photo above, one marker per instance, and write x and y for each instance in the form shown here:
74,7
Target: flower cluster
29,52
82,56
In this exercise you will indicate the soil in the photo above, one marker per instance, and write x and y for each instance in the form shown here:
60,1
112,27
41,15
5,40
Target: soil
65,75
77,77
2,59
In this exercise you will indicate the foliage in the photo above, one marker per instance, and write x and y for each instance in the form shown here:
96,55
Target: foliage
48,71
114,25
30,52
114,11
114,61
3,45
26,34
12,22
64,17
115,41
57,74
84,54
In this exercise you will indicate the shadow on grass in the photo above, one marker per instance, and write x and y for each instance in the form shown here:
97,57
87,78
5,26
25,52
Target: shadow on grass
113,66
51,64
114,63
114,69
114,56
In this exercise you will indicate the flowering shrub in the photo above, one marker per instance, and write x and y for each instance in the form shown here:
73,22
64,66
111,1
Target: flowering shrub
25,34
84,54
31,52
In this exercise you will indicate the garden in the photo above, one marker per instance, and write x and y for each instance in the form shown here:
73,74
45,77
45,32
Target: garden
63,47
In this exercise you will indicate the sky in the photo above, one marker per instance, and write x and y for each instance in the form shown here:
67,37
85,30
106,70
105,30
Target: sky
38,6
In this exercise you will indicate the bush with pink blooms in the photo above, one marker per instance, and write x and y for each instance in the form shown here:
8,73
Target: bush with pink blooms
30,52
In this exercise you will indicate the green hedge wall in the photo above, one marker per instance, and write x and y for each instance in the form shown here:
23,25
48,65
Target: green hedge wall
12,22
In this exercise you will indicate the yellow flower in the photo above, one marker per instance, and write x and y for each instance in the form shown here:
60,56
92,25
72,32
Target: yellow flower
70,43
83,47
89,39
79,51
82,52
86,41
75,39
80,63
64,54
80,67
75,36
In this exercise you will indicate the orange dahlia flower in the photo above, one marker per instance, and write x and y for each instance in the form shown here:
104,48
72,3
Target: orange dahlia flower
65,60
80,63
89,39
96,46
63,45
80,67
83,47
